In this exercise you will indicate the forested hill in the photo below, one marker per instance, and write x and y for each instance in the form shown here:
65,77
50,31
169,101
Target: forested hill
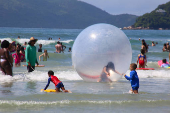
159,18
56,14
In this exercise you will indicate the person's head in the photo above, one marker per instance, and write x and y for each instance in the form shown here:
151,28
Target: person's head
18,37
17,51
18,45
45,51
143,40
164,44
58,42
32,41
22,48
139,38
5,44
152,42
10,46
40,45
167,43
50,72
70,48
133,66
61,43
164,60
25,43
142,51
111,66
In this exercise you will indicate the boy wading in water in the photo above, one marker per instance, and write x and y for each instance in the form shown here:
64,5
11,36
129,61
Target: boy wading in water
134,80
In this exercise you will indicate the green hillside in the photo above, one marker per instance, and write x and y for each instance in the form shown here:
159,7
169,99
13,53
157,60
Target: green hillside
159,18
56,14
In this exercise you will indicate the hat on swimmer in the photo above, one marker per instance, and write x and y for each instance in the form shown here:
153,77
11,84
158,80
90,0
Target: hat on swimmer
32,39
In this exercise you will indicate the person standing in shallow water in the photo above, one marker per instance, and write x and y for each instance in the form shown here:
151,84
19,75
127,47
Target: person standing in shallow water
58,47
5,63
30,55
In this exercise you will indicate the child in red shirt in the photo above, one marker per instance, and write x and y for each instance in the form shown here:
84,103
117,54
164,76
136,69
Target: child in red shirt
56,81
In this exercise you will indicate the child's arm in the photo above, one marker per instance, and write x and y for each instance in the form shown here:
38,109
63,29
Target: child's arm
47,55
23,56
118,72
131,76
108,74
40,56
137,60
13,55
47,84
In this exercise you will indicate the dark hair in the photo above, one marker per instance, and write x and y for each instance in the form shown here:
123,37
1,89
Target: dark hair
70,48
22,48
142,51
164,60
58,42
5,44
18,50
50,72
40,44
134,66
110,65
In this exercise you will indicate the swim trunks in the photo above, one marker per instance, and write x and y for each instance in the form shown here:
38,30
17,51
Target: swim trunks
59,85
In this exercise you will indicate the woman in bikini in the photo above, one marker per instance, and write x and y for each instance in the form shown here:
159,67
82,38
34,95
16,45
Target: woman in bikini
5,63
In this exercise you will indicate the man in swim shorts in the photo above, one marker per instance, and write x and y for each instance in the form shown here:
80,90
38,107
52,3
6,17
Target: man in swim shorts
30,55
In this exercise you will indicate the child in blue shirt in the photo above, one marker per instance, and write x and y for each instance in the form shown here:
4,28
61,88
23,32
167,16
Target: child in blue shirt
134,80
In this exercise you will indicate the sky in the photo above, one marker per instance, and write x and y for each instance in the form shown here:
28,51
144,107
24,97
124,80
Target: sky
135,7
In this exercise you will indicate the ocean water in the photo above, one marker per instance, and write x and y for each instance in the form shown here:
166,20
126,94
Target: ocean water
21,93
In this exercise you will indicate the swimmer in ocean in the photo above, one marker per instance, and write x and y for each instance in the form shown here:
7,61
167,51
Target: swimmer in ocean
18,57
58,84
106,72
45,55
5,63
58,47
142,59
165,64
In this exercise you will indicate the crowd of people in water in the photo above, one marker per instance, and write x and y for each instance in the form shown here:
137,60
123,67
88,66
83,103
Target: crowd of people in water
27,53
17,53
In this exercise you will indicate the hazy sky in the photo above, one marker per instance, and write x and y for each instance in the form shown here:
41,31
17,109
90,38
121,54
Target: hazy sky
136,7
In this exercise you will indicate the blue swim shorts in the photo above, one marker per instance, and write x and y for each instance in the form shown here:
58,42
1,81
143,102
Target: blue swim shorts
59,85
135,88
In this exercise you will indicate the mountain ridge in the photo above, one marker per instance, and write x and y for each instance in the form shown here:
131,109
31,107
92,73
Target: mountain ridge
57,14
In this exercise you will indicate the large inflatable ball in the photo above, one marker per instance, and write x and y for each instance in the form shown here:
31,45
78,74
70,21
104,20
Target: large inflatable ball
101,52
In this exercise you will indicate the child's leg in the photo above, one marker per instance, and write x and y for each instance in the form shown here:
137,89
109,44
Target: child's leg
19,64
15,64
135,91
63,89
57,89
